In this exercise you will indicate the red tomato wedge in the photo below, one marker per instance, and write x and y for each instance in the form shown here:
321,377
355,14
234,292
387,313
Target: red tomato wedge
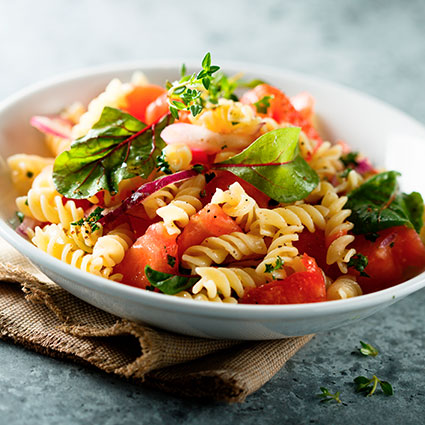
224,179
397,255
156,248
209,221
281,108
301,287
139,99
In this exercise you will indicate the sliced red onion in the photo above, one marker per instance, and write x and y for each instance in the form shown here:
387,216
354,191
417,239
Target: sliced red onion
144,191
28,223
199,137
363,166
55,126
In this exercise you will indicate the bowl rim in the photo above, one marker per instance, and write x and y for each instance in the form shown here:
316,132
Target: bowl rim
177,304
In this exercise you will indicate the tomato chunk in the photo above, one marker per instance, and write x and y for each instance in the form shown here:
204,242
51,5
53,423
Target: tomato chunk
155,248
209,221
224,179
301,287
139,99
281,108
395,256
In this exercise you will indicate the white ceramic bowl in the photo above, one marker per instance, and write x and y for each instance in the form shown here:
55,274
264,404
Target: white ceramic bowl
386,135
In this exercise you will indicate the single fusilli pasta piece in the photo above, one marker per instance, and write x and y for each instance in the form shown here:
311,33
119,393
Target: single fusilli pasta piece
25,168
216,249
178,157
185,203
45,204
229,117
223,281
112,247
300,215
281,249
343,287
237,203
325,160
337,226
53,240
83,236
351,182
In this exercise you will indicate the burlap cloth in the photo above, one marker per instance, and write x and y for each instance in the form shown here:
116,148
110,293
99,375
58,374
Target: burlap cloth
38,314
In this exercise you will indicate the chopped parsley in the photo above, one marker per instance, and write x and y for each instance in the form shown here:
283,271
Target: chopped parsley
359,262
91,219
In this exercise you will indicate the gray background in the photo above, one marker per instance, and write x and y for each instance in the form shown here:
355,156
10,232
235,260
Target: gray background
375,46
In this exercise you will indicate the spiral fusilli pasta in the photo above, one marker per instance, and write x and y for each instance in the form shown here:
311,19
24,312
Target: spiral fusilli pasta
216,249
53,240
185,203
343,287
25,168
224,281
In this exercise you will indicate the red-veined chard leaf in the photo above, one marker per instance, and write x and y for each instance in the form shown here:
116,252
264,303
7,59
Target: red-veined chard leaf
272,164
378,204
118,147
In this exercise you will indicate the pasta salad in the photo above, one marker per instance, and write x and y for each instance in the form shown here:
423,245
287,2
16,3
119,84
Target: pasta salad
214,188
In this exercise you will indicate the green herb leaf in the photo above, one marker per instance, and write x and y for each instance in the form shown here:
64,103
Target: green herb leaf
20,216
171,261
327,396
162,164
263,104
118,147
272,164
350,159
273,267
359,262
368,350
169,283
370,385
378,204
91,219
386,388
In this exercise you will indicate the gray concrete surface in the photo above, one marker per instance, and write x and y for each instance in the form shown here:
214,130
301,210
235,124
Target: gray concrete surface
374,46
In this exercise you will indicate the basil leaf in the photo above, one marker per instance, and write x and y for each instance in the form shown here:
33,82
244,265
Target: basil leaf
378,204
169,283
117,147
272,164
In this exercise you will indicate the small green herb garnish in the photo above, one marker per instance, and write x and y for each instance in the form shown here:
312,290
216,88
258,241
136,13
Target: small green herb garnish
199,168
346,172
30,174
186,94
273,267
350,159
171,260
359,262
20,216
369,385
162,164
169,283
368,350
91,219
263,104
326,396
